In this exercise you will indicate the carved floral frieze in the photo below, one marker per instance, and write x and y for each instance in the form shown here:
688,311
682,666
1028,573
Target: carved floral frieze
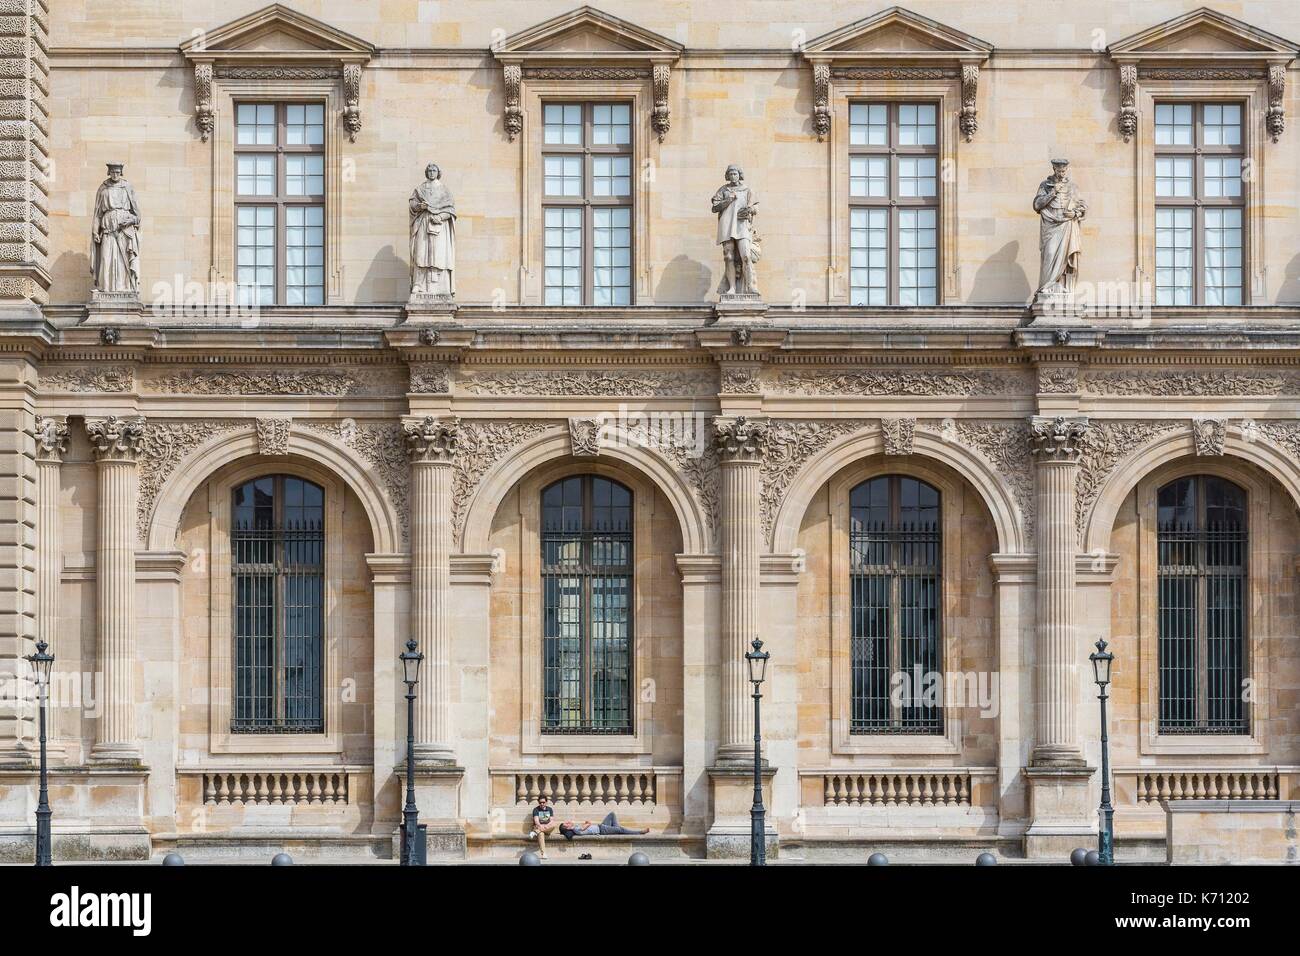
86,378
1007,447
481,444
1109,443
790,443
274,381
897,381
164,445
590,381
383,446
1193,382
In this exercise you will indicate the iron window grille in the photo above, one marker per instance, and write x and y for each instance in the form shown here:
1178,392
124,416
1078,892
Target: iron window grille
895,575
278,571
1201,542
587,560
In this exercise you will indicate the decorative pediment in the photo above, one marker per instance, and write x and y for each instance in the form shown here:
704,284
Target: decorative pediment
896,44
586,43
1203,45
277,43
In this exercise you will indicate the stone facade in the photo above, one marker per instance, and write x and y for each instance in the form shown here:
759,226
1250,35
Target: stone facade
740,427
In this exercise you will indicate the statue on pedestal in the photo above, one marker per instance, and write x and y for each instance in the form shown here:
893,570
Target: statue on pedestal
115,238
735,205
433,238
1060,243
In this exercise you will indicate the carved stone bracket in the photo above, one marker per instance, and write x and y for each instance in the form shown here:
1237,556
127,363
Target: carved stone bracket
661,118
899,435
1059,438
431,439
821,100
204,117
1209,435
514,117
584,436
970,81
1128,114
352,99
1275,118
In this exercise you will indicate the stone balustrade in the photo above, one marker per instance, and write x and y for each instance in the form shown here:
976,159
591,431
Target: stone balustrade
640,787
314,787
894,788
1249,783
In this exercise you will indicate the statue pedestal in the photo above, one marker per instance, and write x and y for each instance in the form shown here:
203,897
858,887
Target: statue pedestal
1056,309
430,308
114,308
740,308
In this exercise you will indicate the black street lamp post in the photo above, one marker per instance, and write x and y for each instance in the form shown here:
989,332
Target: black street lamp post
1101,662
42,662
757,846
411,661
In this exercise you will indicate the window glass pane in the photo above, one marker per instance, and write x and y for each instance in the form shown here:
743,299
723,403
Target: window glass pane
917,257
869,256
1174,125
255,124
1223,268
916,176
1222,177
304,242
255,174
1174,247
255,254
304,124
562,124
1222,124
562,175
611,124
1174,176
868,124
562,272
869,176
304,175
611,175
612,256
916,124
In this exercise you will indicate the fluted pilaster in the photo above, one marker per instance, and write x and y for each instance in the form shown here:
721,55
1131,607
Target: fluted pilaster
431,444
740,443
116,442
1057,444
51,444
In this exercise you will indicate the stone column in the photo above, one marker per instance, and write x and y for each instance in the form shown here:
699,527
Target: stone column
431,444
51,443
1057,444
116,442
740,442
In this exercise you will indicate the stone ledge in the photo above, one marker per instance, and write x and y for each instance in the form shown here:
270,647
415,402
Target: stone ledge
1231,806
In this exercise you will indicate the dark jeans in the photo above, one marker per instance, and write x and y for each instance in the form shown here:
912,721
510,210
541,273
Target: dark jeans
609,826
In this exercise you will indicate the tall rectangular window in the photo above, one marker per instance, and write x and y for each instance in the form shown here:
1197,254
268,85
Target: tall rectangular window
587,606
278,579
587,203
895,585
280,203
1200,204
893,204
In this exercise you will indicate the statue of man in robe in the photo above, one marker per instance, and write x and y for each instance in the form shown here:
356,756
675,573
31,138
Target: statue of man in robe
433,237
1060,211
734,204
115,236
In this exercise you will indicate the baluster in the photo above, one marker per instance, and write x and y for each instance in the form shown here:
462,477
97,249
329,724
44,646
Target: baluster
247,790
314,789
1270,787
1176,791
623,787
277,791
852,790
1236,785
522,793
209,791
890,796
548,784
1163,782
963,790
262,789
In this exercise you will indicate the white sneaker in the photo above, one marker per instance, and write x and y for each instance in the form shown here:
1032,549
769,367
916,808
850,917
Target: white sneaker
532,834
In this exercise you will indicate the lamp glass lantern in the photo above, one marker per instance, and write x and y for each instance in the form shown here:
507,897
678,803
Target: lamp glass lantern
42,663
1101,661
757,662
411,661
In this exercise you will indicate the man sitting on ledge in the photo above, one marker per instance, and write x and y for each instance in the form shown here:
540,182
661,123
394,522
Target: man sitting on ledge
607,827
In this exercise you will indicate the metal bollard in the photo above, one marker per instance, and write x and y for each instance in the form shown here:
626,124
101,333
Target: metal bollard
638,859
529,858
1078,856
877,859
282,859
173,859
986,859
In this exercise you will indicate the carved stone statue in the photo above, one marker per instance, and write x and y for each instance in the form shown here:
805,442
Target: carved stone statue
1059,237
433,238
115,237
735,205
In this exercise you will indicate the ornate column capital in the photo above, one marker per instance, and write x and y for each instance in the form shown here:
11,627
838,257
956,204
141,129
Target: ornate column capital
740,439
1058,439
431,439
116,439
51,438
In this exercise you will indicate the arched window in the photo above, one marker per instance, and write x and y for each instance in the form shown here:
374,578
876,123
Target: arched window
586,598
895,585
278,571
1201,546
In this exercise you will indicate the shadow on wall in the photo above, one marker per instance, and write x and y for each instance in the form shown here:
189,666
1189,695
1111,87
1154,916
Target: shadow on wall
387,280
71,278
684,280
1289,294
1001,280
